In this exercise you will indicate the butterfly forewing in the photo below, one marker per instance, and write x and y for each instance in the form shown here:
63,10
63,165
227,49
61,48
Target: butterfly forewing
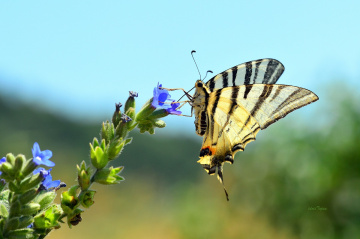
262,71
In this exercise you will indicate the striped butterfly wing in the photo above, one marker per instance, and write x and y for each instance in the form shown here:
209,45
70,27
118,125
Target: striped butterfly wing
236,114
262,71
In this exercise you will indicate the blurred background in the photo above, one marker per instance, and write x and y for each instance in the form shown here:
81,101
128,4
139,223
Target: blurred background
64,65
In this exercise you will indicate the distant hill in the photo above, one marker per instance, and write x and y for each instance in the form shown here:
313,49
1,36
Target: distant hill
158,156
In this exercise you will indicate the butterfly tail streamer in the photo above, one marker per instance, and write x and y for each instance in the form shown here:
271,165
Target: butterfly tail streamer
220,178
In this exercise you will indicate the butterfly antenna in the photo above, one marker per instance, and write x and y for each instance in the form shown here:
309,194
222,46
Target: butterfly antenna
192,54
209,71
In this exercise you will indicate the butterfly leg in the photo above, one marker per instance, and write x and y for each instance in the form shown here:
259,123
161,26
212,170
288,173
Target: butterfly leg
186,93
182,104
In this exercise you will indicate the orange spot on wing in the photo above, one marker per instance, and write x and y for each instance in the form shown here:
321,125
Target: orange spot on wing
209,150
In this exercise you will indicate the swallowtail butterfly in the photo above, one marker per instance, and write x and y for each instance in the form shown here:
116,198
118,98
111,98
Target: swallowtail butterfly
234,105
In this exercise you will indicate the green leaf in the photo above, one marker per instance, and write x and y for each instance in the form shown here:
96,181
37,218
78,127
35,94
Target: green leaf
29,209
128,141
45,199
25,221
48,218
25,233
3,211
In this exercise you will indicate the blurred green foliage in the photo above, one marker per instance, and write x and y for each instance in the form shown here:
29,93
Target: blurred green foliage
300,179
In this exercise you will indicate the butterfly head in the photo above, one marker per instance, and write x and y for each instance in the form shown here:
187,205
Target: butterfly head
199,84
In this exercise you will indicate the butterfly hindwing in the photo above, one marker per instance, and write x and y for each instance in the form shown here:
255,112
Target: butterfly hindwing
269,103
262,71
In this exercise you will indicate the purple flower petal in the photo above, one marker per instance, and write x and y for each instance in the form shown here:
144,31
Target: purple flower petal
2,160
43,171
172,110
42,157
47,182
160,97
51,184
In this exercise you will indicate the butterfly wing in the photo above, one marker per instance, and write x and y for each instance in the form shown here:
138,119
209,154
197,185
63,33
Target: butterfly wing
236,114
262,71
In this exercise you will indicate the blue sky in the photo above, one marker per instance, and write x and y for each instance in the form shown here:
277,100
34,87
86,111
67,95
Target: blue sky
80,57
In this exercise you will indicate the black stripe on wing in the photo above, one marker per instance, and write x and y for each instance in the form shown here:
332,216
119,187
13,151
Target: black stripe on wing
262,71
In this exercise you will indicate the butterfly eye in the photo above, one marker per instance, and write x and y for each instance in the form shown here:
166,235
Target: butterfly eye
199,84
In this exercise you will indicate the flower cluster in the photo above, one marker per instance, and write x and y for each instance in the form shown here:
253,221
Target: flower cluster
26,195
42,158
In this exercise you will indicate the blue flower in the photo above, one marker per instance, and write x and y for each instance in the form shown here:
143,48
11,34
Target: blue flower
42,157
172,110
160,98
3,160
47,183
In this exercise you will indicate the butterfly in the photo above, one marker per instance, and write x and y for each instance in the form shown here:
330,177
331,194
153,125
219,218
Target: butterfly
232,107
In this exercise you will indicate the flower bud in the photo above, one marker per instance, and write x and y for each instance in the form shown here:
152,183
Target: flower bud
84,175
18,166
88,198
117,115
28,196
107,131
30,182
10,158
159,123
145,126
69,200
130,103
7,171
122,128
145,111
108,176
30,166
131,114
99,158
74,218
115,148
